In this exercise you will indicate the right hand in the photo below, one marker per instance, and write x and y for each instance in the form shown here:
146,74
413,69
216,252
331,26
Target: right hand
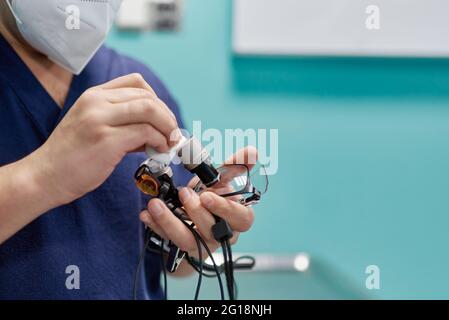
105,124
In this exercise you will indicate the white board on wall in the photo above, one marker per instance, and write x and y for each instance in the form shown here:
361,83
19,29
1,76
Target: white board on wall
342,27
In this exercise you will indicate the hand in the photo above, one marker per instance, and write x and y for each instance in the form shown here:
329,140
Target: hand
105,124
200,209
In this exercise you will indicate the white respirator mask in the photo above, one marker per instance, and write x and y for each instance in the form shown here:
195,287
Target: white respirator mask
69,32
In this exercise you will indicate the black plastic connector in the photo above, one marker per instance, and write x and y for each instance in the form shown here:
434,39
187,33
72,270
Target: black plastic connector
222,231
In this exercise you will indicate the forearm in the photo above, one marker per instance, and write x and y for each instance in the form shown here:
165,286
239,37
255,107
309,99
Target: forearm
23,196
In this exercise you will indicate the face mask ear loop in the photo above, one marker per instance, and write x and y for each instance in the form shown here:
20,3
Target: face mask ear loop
12,11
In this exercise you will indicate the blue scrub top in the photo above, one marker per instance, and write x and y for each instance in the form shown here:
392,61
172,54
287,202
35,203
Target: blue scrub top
99,233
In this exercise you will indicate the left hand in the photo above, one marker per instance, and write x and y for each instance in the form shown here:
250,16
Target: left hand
200,209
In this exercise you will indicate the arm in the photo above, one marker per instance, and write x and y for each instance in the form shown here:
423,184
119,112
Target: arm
23,196
105,124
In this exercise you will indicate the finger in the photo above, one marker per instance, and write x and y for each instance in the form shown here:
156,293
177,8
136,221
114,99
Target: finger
225,190
135,136
175,230
234,238
239,217
194,182
146,218
121,95
200,216
133,80
149,111
247,156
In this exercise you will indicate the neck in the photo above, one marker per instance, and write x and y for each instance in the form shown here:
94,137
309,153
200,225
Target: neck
55,79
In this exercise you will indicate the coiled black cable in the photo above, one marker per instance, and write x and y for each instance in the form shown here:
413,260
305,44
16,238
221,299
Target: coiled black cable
199,242
209,252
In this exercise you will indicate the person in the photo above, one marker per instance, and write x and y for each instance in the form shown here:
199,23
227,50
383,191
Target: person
73,122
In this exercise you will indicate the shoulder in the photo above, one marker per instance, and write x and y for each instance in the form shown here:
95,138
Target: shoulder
120,65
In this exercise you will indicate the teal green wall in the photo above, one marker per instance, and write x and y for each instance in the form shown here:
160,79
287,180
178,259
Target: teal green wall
363,151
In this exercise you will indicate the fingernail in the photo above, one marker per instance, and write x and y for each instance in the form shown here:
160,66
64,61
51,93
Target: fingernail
156,209
144,218
207,200
175,137
184,195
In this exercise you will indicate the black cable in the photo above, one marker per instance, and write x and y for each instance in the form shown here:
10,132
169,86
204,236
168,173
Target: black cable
200,270
231,268
226,268
164,270
206,247
194,265
209,252
199,242
139,264
161,252
229,284
244,266
237,265
200,276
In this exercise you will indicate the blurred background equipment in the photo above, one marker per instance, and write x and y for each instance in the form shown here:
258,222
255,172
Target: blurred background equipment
154,15
271,263
344,27
279,276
